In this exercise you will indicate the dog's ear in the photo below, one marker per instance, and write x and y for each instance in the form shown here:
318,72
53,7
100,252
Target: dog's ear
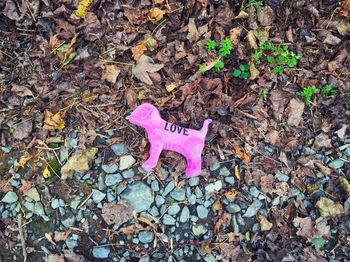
146,111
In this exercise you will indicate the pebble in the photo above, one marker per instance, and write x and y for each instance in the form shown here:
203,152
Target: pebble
202,212
128,173
253,208
72,242
98,196
154,211
126,162
168,220
213,187
230,180
144,259
192,199
254,191
198,192
281,177
159,200
336,164
185,215
174,209
214,166
29,206
10,197
224,171
193,181
178,194
119,149
169,188
155,185
101,252
113,179
69,221
199,229
110,169
146,237
234,224
138,195
233,208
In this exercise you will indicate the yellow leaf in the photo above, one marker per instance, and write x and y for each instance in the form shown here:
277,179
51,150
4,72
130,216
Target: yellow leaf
155,15
82,8
53,121
265,224
237,175
22,161
170,87
242,15
158,2
327,207
46,173
253,71
252,40
345,184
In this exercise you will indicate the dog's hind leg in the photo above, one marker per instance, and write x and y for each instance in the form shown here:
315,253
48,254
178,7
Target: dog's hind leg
151,162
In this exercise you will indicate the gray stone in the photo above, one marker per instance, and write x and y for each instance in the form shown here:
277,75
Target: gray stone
192,199
254,191
198,192
193,181
336,164
169,188
98,196
256,227
138,195
101,185
230,180
281,177
174,209
10,197
168,220
224,171
154,211
214,166
119,149
113,179
159,200
233,208
178,194
202,212
101,252
234,224
29,206
155,185
71,242
126,162
128,173
144,259
33,194
199,229
213,187
68,221
253,208
110,169
185,215
146,237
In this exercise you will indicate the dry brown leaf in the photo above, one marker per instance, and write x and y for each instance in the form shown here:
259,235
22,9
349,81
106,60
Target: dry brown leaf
54,258
265,224
295,112
134,15
344,9
25,186
235,33
117,213
48,236
242,15
131,98
132,229
23,129
78,163
155,15
193,34
72,257
54,121
216,206
241,153
144,66
22,161
252,40
266,15
305,227
69,49
138,50
110,73
54,43
21,91
337,63
61,236
254,72
266,183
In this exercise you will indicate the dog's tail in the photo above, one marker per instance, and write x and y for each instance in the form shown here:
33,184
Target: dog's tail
204,129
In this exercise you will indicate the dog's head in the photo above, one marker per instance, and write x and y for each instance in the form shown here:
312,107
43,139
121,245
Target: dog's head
143,115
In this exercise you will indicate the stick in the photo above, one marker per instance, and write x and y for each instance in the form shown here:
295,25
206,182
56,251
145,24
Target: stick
21,235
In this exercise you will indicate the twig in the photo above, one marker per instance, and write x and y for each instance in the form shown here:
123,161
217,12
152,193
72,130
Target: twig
116,62
21,235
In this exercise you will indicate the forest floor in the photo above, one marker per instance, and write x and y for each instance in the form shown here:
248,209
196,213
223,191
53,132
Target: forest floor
272,75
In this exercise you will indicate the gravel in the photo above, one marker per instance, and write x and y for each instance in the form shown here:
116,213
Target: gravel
213,187
185,215
202,212
110,169
146,237
101,252
233,208
113,179
336,164
98,196
33,194
168,220
139,196
126,162
174,209
281,177
10,197
199,229
119,149
253,208
178,194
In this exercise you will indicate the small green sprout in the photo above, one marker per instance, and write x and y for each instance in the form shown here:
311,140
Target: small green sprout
327,90
201,69
318,243
278,70
308,92
256,56
210,46
225,47
218,66
242,72
264,94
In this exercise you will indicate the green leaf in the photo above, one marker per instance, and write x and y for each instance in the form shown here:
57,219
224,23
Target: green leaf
201,69
318,243
308,92
247,236
292,62
278,70
210,46
225,47
236,73
244,67
245,75
270,59
327,90
218,66
264,94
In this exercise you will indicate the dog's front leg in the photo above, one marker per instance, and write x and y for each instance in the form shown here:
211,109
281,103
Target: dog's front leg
151,162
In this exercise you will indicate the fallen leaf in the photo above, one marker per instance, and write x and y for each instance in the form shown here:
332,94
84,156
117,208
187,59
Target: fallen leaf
21,91
138,50
54,121
322,141
25,186
344,9
262,34
131,98
345,184
265,225
331,39
254,72
23,129
295,112
235,33
241,153
266,183
155,15
327,207
344,27
242,15
158,2
237,175
252,40
73,257
338,61
10,10
46,173
305,227
54,258
110,73
289,34
22,161
78,163
193,34
54,42
266,16
117,213
170,87
134,15
318,243
48,236
61,236
150,42
144,66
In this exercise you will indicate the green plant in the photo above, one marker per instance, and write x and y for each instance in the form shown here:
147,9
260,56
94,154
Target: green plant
264,94
308,92
218,66
278,70
201,69
318,243
327,90
242,72
210,46
225,47
255,3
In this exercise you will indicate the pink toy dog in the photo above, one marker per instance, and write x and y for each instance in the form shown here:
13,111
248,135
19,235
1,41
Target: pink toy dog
166,136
